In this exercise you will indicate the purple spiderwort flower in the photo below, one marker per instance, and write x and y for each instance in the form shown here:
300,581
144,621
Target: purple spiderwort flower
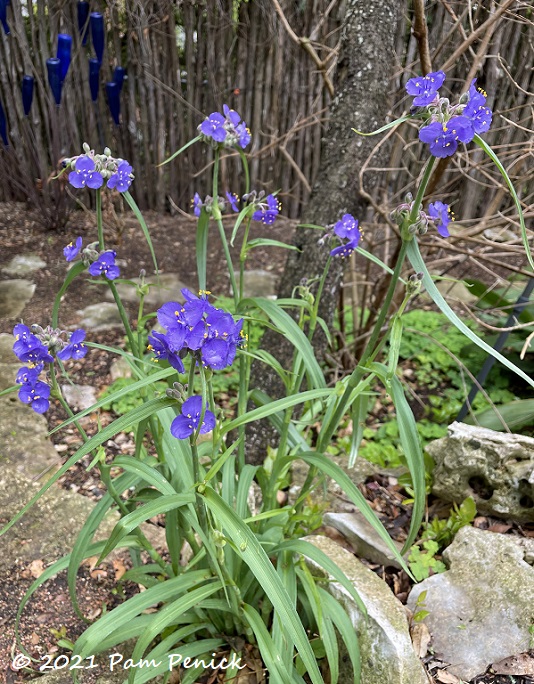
186,424
198,326
267,210
75,348
28,376
122,178
105,266
28,348
159,346
197,204
346,249
425,88
476,109
346,228
226,128
85,174
213,127
72,250
441,215
443,138
243,135
36,394
232,200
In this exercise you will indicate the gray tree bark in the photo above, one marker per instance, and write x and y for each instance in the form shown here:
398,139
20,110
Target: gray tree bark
362,83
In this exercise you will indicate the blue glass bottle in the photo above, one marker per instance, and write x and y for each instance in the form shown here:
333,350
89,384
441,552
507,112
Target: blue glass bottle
27,93
64,51
94,77
3,16
118,76
113,93
83,23
53,66
97,34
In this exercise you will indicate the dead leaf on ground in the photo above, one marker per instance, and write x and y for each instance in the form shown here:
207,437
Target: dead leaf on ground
522,664
119,568
446,677
499,527
35,569
420,638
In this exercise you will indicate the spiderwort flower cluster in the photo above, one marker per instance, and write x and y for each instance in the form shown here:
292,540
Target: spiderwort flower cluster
207,203
227,129
184,425
346,229
34,349
92,170
99,263
266,209
438,214
448,125
198,327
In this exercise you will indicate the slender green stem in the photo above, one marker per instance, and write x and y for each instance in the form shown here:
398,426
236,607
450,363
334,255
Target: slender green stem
245,169
99,224
56,391
216,213
421,190
124,318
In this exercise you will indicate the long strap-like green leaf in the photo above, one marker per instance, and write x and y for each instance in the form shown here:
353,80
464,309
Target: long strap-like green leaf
414,255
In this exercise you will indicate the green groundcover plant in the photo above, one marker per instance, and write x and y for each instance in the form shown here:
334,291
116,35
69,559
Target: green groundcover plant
244,579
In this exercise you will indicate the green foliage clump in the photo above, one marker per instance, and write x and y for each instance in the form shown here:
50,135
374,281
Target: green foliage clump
436,535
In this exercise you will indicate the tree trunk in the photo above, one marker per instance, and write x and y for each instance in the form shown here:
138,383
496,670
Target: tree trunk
364,70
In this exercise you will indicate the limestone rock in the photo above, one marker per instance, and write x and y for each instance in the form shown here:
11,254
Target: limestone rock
120,368
6,349
259,283
24,264
495,468
363,537
79,397
102,316
386,649
14,295
166,288
23,439
34,536
479,609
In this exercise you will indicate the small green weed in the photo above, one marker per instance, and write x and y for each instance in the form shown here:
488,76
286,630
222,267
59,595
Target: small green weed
421,562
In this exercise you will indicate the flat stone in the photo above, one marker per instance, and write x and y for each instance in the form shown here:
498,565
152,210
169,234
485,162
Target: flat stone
102,316
479,609
363,538
120,368
23,440
14,295
387,654
24,264
259,283
6,349
79,397
495,468
165,289
34,536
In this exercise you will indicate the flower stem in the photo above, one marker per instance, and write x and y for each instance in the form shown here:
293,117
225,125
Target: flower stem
124,319
99,224
56,389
